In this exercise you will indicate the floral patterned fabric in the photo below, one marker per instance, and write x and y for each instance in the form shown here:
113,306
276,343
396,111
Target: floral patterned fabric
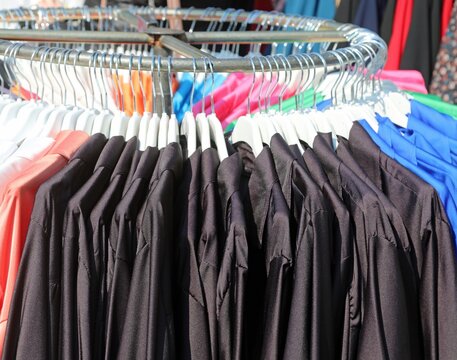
444,82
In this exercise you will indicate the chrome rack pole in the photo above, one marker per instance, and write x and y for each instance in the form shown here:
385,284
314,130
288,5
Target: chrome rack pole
186,65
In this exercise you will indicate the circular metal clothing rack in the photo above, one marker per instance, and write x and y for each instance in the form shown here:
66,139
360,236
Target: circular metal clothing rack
340,44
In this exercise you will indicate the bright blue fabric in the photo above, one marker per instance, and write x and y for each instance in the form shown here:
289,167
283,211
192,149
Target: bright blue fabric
439,180
444,123
430,139
182,94
181,100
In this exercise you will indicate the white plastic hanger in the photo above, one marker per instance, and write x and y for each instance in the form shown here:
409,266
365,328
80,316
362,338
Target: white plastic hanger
162,140
265,122
102,121
301,120
173,128
153,128
203,131
120,121
215,127
188,124
247,130
133,127
146,118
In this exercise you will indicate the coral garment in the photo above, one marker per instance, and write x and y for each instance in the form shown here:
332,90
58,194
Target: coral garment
16,209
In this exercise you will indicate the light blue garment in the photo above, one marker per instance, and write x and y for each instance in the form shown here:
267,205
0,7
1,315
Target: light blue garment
438,180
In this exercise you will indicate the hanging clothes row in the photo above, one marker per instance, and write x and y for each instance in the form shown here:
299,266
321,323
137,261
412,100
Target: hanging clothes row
322,226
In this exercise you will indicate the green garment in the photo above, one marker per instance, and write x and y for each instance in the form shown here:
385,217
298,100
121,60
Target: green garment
435,102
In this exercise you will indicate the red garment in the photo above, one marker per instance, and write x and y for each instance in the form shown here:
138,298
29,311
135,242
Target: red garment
446,15
263,5
400,30
16,209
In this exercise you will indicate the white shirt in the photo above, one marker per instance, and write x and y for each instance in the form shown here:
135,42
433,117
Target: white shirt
7,148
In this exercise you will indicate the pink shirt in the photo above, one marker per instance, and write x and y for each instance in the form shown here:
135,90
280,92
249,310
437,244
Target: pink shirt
16,209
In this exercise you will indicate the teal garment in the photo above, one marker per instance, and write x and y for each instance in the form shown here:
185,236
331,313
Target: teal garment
326,9
301,7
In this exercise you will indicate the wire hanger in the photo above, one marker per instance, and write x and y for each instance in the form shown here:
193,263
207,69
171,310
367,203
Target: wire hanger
164,119
120,121
247,130
173,128
153,129
188,124
215,127
146,118
203,131
133,127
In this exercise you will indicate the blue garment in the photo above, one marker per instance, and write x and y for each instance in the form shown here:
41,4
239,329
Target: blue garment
439,181
444,123
181,100
182,94
324,104
436,167
369,14
431,140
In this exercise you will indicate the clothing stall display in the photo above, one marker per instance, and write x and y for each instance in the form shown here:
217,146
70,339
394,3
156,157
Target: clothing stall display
227,207
413,30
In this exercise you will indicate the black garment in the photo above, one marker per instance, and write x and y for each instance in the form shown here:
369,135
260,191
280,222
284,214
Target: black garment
378,327
232,281
135,160
346,11
342,258
406,258
33,325
192,328
432,240
210,244
150,304
424,38
388,20
123,247
75,341
100,224
270,256
310,327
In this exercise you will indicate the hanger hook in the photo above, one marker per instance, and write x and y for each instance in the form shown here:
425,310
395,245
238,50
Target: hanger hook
251,89
140,80
317,84
194,67
32,95
42,65
159,75
119,85
170,81
154,93
131,83
262,68
67,54
270,82
211,69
